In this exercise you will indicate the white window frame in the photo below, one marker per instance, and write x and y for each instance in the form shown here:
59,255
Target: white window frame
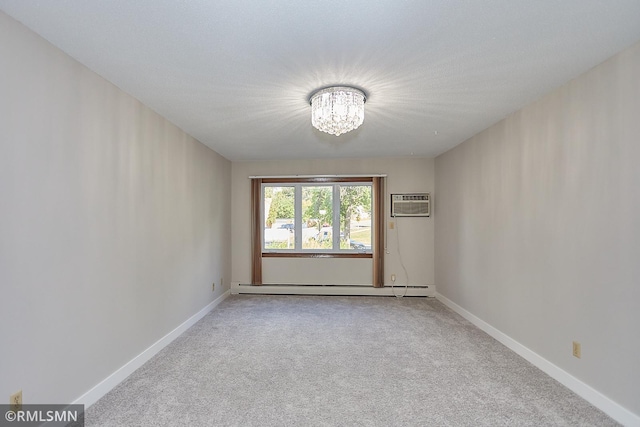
298,217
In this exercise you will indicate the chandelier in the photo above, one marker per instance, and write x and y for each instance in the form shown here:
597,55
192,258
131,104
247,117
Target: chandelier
338,109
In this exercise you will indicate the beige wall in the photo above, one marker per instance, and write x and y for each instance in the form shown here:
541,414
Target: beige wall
414,234
113,223
538,231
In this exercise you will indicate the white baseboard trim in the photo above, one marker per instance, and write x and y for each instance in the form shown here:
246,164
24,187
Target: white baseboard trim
106,385
411,291
588,393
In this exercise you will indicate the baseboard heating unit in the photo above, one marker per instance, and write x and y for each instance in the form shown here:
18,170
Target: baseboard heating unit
347,290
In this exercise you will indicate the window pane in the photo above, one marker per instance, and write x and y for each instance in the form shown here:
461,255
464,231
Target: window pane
355,217
279,228
317,217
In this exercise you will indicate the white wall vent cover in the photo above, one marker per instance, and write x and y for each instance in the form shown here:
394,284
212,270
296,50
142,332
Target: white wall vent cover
415,204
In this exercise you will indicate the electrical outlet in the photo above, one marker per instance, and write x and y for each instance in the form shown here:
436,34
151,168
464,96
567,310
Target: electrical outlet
15,401
393,277
392,225
577,349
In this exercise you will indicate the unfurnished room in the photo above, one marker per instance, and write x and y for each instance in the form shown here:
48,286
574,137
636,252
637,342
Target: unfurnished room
277,213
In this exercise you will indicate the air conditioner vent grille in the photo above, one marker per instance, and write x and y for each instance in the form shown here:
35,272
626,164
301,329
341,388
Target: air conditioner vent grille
414,204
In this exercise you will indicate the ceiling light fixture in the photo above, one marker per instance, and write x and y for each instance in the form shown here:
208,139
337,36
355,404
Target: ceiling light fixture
337,109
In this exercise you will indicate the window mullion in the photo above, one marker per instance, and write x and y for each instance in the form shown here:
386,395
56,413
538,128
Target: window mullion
336,217
298,217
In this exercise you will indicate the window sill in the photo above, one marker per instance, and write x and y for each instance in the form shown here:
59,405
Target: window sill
316,255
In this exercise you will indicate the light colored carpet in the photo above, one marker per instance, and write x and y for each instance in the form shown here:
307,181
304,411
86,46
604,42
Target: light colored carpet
339,361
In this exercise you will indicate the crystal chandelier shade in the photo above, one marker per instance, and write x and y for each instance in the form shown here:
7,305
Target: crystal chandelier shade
337,110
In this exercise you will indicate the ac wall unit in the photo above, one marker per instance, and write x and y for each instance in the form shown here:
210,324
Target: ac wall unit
414,204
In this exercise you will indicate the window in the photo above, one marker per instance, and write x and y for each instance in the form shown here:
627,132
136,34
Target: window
308,216
279,212
349,209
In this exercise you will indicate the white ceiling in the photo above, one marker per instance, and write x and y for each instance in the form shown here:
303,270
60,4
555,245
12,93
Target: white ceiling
237,74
